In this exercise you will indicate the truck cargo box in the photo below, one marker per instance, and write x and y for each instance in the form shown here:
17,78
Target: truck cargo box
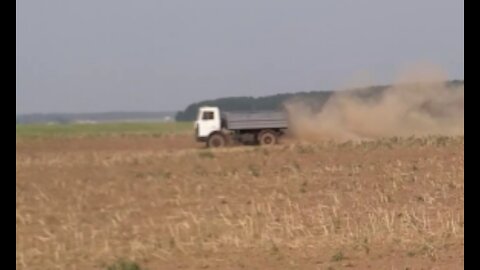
255,120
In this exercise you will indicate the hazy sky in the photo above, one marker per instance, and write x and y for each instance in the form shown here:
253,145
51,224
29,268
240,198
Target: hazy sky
106,55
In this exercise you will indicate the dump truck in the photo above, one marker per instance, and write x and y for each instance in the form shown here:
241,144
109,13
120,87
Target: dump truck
218,129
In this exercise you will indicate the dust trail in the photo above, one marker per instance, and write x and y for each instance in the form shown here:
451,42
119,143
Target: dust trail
419,103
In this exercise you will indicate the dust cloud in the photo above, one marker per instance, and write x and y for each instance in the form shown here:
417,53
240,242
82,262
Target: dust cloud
418,103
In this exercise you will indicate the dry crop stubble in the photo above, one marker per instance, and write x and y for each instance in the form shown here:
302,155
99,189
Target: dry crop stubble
383,203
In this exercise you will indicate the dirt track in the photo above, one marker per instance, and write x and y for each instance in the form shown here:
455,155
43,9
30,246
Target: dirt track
169,204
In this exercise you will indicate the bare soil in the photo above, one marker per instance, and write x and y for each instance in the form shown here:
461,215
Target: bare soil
168,203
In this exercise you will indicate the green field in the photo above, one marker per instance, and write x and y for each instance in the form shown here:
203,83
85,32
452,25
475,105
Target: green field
141,128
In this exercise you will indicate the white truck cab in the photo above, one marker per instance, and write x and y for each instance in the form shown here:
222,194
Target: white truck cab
208,121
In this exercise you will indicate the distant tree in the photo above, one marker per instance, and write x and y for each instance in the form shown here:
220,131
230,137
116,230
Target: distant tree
314,99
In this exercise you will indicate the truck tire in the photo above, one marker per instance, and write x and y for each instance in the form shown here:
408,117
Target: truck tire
216,140
267,137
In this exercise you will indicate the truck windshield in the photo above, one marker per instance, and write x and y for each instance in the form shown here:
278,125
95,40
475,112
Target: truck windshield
208,115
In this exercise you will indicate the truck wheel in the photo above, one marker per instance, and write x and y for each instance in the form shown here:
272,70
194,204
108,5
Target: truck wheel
216,140
267,137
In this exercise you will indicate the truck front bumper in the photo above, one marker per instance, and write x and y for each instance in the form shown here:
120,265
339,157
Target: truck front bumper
201,139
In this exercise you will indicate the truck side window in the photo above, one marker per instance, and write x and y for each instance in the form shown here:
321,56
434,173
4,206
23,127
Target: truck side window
207,116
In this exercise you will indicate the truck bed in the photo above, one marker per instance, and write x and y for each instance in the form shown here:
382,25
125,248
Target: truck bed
255,120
